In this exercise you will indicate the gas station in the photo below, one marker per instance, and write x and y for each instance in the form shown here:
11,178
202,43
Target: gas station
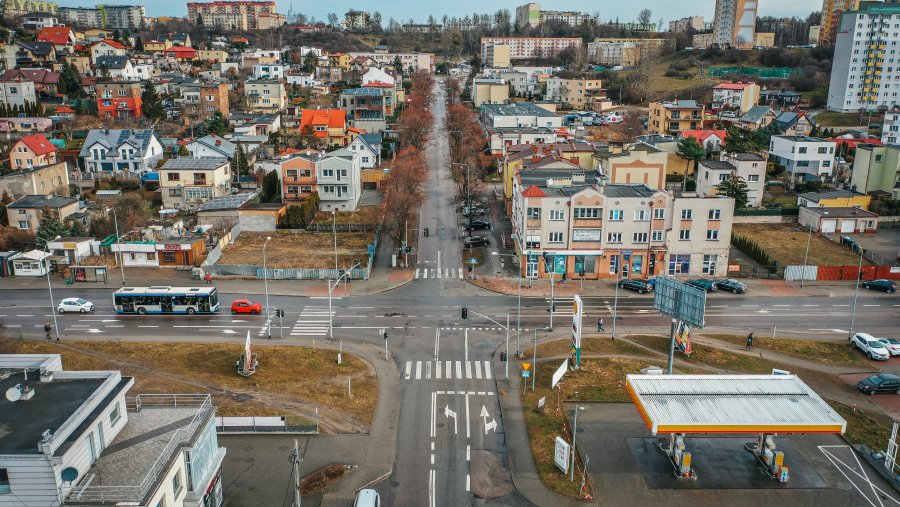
761,405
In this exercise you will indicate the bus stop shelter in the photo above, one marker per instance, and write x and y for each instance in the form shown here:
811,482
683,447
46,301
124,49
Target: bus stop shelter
764,405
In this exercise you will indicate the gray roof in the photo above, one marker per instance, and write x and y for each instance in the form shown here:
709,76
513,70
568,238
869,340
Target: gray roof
748,156
113,138
42,201
717,165
112,61
197,163
834,193
516,109
755,114
228,202
805,139
841,212
371,139
220,144
641,190
39,48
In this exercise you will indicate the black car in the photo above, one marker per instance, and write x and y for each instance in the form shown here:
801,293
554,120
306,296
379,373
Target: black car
731,286
882,285
704,285
879,383
473,241
638,285
474,225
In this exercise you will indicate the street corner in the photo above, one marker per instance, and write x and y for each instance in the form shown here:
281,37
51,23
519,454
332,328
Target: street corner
400,275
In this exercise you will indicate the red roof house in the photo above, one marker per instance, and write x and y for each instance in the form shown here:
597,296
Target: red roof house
329,125
181,53
59,35
32,151
533,191
709,139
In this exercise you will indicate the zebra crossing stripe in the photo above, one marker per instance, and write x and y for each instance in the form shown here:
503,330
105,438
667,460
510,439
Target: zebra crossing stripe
468,369
418,370
478,369
458,370
448,369
428,370
460,273
437,370
487,370
408,368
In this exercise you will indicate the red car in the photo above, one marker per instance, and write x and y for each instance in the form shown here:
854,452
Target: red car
245,306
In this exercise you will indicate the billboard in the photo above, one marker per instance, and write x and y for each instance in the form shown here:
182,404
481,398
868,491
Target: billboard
577,315
680,301
683,338
561,455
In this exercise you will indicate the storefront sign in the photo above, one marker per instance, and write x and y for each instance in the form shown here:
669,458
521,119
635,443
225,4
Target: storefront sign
586,234
170,246
734,267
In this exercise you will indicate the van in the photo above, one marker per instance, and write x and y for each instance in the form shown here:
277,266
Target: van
367,498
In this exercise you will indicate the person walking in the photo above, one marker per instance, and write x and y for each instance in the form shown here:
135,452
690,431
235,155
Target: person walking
208,279
600,325
47,329
750,341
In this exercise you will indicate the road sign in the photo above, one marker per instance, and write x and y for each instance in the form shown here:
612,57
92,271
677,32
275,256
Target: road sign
577,315
558,374
680,301
561,455
526,374
542,401
627,252
474,261
526,366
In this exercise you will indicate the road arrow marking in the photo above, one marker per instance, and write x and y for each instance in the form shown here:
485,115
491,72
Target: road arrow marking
488,426
229,331
93,331
450,413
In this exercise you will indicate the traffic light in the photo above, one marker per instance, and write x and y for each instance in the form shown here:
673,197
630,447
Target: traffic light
279,312
465,313
384,334
503,356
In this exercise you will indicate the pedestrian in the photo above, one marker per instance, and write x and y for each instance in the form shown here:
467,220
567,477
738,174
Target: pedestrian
47,329
600,325
750,341
208,279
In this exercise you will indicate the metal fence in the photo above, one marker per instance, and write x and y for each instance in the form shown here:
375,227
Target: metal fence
760,72
264,425
767,212
325,227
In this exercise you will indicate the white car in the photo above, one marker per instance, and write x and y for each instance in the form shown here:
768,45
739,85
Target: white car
75,305
892,344
870,346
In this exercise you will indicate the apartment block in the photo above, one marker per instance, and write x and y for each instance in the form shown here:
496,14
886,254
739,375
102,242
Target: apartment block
890,132
864,71
625,52
119,99
119,17
489,91
877,168
530,15
735,23
365,107
639,163
831,19
265,95
672,117
411,62
297,173
688,23
36,180
577,93
527,48
188,182
238,15
803,156
203,99
751,167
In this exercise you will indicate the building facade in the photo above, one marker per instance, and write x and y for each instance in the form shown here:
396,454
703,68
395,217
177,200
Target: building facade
877,168
237,15
37,180
735,23
265,95
740,96
625,52
339,180
670,118
188,182
577,93
119,17
750,167
489,91
527,48
802,155
32,151
119,99
25,212
695,23
831,19
121,150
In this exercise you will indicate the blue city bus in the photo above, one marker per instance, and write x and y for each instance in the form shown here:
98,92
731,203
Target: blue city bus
167,300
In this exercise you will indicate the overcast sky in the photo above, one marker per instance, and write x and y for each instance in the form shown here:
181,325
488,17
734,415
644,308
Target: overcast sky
419,10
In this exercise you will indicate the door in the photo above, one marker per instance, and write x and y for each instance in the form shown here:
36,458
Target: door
165,304
848,225
637,264
204,304
829,226
531,267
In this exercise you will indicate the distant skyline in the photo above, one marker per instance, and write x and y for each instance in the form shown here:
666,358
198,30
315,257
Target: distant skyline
403,10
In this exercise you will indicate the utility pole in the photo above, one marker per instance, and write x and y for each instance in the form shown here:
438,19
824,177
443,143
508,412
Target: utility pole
297,458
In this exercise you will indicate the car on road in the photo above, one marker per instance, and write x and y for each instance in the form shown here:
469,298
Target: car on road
879,383
638,285
473,241
474,225
731,285
75,305
892,344
245,306
367,498
880,284
702,284
870,346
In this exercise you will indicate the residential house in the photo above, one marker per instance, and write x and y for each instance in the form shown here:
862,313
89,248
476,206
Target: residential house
369,147
188,182
794,123
29,54
32,151
39,21
265,95
374,74
25,212
711,140
46,82
211,146
119,99
341,60
328,125
632,164
25,124
122,67
205,98
181,53
803,156
62,38
69,250
365,108
212,55
877,169
272,71
751,167
838,220
115,150
834,198
157,46
107,47
411,62
254,124
518,114
300,78
389,93
17,92
500,139
756,118
489,91
779,98
35,180
338,180
177,39
670,118
168,252
297,173
577,93
735,96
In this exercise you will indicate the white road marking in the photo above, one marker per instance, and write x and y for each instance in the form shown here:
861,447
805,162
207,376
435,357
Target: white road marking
428,369
437,370
458,370
468,370
148,326
467,482
460,273
487,370
408,367
448,369
478,369
468,430
418,370
417,272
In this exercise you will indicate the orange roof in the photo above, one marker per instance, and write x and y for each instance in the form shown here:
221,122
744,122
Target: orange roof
64,109
534,191
356,130
852,143
39,144
702,135
379,84
58,35
329,118
111,43
731,86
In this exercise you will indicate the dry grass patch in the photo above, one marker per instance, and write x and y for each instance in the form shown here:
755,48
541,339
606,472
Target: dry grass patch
831,352
304,250
787,244
863,427
300,373
363,215
589,345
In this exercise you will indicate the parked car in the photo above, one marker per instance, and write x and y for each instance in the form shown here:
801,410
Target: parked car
892,344
473,241
75,305
881,284
367,498
731,285
474,225
473,212
700,283
245,306
870,346
729,114
638,285
879,383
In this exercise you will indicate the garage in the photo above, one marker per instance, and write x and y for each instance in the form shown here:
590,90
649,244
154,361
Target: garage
848,225
829,226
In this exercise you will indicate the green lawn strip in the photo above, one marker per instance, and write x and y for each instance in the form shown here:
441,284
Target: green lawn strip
864,427
831,352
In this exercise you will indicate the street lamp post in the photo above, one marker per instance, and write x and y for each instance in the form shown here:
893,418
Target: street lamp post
50,289
856,295
574,430
331,313
266,283
334,232
519,305
616,298
806,255
118,244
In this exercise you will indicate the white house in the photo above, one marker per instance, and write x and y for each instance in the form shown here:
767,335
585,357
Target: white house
71,250
123,67
369,156
211,146
339,180
268,71
751,167
137,254
802,155
376,75
121,150
33,263
518,114
107,47
301,79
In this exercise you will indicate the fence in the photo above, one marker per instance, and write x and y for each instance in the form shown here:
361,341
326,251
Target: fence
310,274
832,273
266,425
325,227
216,253
767,212
760,72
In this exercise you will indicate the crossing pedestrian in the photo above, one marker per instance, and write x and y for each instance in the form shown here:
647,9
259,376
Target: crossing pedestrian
750,341
47,329
208,279
600,325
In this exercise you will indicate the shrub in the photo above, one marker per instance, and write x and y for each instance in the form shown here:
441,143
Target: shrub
753,250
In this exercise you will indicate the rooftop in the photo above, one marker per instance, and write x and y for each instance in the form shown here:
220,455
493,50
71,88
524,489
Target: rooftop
748,156
845,212
641,190
832,193
227,202
717,165
516,109
42,201
195,163
804,139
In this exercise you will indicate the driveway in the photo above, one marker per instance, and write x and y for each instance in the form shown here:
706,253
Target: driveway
881,247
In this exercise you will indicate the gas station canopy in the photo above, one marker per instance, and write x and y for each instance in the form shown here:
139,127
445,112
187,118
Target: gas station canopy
731,404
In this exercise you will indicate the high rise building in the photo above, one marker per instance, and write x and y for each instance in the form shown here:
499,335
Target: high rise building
831,18
688,23
105,16
530,15
527,48
735,23
240,15
862,77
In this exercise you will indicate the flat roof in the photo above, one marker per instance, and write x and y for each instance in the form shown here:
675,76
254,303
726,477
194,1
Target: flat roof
731,404
842,212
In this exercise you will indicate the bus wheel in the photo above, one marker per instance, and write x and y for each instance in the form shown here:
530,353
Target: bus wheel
141,310
191,311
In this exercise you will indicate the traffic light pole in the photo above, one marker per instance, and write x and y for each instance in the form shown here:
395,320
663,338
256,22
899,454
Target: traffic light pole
331,313
465,312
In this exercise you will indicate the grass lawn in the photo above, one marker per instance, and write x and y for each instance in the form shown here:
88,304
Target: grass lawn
834,119
589,345
862,427
295,372
676,164
288,250
832,352
363,215
786,243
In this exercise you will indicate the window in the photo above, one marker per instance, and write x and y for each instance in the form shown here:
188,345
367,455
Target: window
151,256
168,256
23,224
724,177
555,237
802,149
659,213
587,212
687,214
534,213
715,214
176,484
639,237
823,150
4,481
679,264
712,234
656,236
753,177
175,192
616,214
684,234
533,242
709,264
173,176
614,237
327,173
162,502
613,264
641,215
557,215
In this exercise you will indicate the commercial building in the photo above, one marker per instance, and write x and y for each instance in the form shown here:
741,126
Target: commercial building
528,48
625,52
750,167
119,99
735,23
518,114
803,156
739,96
164,253
188,182
672,117
695,23
119,17
877,169
862,76
831,19
25,212
239,15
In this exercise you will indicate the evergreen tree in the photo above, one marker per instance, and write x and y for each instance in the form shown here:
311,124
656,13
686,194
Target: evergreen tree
691,149
138,45
310,61
49,227
6,199
78,230
271,187
216,124
116,36
240,165
70,79
183,151
736,188
151,104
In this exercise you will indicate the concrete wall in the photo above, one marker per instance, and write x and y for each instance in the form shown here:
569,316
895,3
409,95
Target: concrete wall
257,223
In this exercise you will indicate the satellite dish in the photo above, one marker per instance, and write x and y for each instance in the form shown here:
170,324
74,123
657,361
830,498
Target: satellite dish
13,394
69,474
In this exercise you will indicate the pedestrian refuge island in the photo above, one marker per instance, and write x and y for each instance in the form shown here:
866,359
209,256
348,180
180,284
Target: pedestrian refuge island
764,405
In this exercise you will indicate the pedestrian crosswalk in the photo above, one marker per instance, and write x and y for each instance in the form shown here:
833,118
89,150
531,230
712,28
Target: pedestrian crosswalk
439,273
562,305
488,328
448,370
313,321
